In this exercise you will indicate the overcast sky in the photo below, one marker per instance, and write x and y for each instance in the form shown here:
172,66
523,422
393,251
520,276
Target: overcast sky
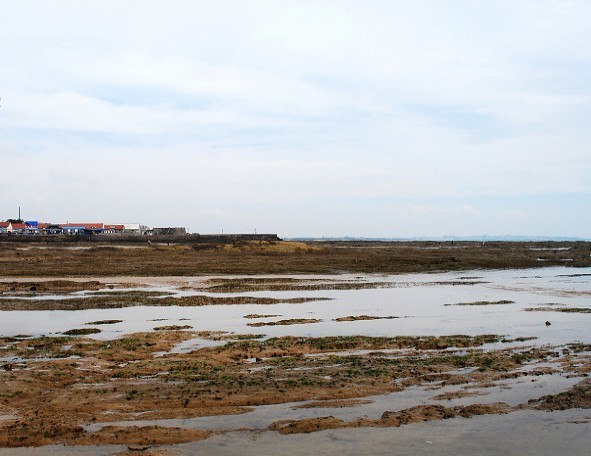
302,118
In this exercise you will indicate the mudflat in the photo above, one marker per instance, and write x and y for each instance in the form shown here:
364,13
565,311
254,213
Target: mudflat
88,259
151,348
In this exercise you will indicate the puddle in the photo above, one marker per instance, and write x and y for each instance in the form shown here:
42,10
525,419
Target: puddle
195,344
420,296
16,359
511,391
483,435
524,432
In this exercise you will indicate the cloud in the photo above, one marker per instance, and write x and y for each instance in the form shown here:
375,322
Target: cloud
250,112
462,209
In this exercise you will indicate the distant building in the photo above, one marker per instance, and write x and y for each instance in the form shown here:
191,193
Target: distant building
50,229
35,228
113,229
32,227
17,228
82,228
134,228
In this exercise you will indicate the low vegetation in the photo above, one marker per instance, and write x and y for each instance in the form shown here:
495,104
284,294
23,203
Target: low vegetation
75,380
362,318
139,298
483,303
292,321
559,309
82,331
60,260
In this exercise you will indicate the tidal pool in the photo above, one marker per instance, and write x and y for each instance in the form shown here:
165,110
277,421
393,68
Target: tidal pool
492,302
424,304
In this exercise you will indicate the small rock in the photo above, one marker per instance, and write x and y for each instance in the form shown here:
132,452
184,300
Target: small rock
548,323
132,447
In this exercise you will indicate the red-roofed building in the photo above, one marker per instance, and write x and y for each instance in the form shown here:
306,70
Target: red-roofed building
113,229
17,228
35,228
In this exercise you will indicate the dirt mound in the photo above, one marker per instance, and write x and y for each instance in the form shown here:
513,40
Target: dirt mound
498,408
411,415
307,425
51,286
577,397
415,415
146,435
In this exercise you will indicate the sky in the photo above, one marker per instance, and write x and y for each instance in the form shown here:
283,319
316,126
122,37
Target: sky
317,118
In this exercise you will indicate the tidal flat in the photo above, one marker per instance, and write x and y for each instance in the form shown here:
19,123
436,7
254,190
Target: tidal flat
174,364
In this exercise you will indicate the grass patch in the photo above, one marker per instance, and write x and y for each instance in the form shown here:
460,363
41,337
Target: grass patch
82,331
559,309
318,257
483,303
292,321
104,322
363,317
172,328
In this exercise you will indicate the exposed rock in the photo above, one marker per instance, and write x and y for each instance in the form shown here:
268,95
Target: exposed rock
307,425
577,397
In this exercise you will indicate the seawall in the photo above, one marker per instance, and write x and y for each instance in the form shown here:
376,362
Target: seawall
140,239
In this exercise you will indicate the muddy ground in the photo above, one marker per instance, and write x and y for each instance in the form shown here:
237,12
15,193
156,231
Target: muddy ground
87,259
54,388
76,390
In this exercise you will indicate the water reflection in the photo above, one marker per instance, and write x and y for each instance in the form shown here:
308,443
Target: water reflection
420,298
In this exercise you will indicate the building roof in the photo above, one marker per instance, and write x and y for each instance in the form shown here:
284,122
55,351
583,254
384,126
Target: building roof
115,227
132,226
86,226
18,226
4,224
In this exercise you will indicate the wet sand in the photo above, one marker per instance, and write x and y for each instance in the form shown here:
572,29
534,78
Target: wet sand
79,391
352,364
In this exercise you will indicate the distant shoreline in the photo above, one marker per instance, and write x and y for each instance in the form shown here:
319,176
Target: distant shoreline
484,238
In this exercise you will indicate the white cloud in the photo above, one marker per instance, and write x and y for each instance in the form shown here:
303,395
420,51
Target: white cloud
244,111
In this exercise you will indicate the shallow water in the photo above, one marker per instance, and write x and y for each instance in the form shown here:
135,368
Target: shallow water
485,435
420,302
520,433
511,392
418,299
